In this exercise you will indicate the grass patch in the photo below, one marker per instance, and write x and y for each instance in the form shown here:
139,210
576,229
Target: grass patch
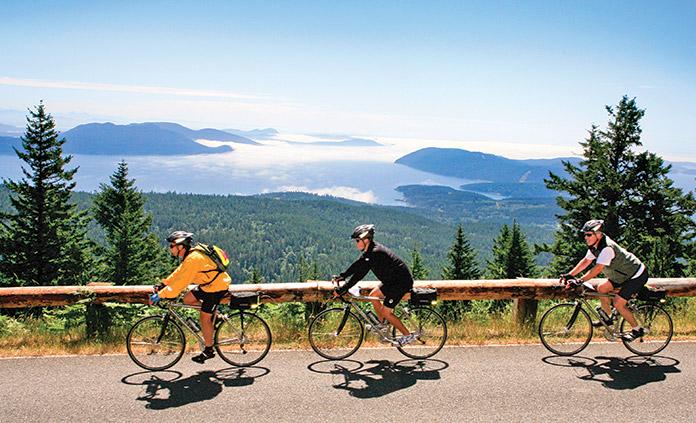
60,331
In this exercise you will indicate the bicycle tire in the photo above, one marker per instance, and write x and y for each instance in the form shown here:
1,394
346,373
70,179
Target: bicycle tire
243,339
153,350
565,331
430,326
658,327
327,341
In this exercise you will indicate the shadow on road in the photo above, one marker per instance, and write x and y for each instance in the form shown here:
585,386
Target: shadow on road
620,373
166,389
377,378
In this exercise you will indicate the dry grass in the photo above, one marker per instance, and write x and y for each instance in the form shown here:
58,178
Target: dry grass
31,337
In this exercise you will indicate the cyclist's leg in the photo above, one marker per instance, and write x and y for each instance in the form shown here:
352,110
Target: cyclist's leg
628,290
392,296
377,304
605,287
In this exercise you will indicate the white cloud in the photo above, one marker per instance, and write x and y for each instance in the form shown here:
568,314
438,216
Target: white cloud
135,89
336,191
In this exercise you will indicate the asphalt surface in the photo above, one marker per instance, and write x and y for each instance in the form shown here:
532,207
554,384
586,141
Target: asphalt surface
506,383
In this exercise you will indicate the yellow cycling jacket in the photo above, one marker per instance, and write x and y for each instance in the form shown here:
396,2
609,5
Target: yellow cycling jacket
199,269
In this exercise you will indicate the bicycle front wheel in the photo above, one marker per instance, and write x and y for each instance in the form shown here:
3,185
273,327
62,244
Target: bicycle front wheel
243,339
430,330
658,330
565,329
154,345
335,333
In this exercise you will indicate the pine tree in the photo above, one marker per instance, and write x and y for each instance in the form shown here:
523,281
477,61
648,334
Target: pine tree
512,258
461,266
418,269
631,192
496,267
520,262
133,255
43,242
461,259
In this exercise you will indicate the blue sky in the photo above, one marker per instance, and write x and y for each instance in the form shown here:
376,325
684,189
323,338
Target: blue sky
531,74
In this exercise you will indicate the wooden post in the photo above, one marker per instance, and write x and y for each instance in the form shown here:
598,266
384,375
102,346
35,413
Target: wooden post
524,312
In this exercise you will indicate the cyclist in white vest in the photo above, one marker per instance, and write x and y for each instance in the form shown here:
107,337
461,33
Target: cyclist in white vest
623,270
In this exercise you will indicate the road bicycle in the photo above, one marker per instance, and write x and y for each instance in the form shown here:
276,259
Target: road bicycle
337,333
566,329
241,337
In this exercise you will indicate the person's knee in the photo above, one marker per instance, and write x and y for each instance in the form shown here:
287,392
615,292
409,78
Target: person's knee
605,287
619,302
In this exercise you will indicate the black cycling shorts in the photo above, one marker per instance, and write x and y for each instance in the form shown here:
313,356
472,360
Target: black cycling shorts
209,300
393,294
632,286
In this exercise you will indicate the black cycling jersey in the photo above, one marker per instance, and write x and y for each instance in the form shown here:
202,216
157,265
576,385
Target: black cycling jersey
386,266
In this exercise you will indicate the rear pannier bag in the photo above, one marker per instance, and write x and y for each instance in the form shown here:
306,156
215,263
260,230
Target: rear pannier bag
244,300
423,296
648,293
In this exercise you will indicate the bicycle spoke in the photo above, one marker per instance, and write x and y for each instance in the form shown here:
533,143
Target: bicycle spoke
243,339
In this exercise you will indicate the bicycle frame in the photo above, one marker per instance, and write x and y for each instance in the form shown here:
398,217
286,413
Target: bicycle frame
582,302
349,305
171,311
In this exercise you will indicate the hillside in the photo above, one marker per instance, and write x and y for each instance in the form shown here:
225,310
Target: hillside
206,134
130,140
450,205
478,166
6,144
270,233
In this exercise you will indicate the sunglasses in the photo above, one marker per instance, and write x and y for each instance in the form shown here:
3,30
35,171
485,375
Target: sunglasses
588,234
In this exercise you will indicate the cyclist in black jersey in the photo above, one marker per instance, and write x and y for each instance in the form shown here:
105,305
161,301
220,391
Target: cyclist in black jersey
392,272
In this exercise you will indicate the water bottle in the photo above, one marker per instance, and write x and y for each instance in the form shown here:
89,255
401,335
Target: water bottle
372,317
193,325
603,315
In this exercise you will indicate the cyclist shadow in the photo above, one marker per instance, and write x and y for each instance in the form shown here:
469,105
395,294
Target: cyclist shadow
163,392
382,377
623,373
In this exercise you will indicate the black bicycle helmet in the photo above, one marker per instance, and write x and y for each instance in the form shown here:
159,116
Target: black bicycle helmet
180,237
593,225
363,231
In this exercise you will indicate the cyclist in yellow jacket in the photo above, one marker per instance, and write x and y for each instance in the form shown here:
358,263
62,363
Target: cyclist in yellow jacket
199,269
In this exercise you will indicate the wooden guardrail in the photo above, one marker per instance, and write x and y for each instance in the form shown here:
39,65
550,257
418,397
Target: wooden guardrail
319,291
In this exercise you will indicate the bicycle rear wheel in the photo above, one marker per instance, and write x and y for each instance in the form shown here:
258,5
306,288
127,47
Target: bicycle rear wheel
658,330
153,345
565,329
335,333
243,339
430,328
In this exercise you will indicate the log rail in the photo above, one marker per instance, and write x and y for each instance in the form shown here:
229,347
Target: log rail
318,291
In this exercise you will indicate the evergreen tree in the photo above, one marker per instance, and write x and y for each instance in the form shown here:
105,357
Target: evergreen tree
43,241
496,267
461,265
511,259
520,260
133,255
461,259
418,269
631,191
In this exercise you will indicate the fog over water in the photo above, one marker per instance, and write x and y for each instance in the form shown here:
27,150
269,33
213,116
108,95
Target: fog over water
293,163
366,174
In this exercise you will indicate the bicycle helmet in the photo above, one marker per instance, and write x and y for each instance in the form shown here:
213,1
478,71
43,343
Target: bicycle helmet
180,237
594,225
363,231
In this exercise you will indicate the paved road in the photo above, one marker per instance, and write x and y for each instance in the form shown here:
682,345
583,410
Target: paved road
517,383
